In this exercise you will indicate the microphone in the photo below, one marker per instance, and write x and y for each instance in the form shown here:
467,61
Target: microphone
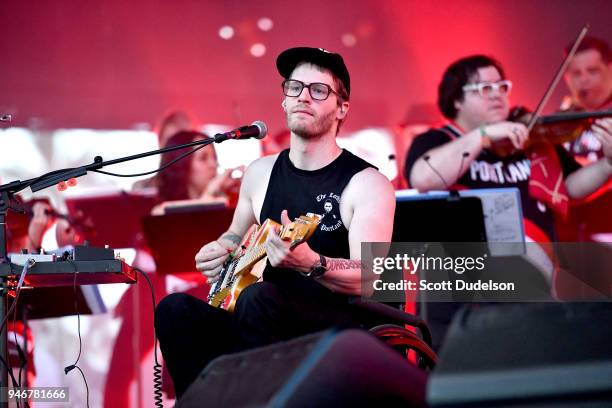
5,118
256,130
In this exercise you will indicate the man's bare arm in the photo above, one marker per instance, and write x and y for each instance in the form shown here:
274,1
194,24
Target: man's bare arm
372,221
210,257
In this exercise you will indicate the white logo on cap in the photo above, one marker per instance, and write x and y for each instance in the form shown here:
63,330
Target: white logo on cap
324,50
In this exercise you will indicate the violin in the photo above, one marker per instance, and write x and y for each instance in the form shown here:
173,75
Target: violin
555,129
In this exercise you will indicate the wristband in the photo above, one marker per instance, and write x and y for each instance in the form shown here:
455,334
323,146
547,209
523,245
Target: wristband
485,141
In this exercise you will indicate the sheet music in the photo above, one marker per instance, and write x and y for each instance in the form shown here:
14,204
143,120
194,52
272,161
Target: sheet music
503,216
502,211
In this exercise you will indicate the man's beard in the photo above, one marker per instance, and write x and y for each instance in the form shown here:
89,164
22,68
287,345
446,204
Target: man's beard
311,130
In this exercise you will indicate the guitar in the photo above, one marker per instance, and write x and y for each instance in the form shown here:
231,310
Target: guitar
246,264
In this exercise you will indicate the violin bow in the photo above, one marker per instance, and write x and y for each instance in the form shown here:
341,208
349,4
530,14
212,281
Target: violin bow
557,78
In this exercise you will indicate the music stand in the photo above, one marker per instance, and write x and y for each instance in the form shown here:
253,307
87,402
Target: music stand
175,237
456,217
113,218
438,218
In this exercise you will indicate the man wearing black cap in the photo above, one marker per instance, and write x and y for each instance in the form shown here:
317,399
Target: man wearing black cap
304,289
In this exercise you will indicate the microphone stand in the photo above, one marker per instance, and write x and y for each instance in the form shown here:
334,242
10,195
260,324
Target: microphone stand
7,192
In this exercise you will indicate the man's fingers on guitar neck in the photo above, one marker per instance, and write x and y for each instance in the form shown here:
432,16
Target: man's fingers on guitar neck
209,268
212,273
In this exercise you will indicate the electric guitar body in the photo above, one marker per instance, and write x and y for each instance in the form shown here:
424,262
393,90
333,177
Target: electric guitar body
246,264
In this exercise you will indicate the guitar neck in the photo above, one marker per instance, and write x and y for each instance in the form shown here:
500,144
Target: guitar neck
286,233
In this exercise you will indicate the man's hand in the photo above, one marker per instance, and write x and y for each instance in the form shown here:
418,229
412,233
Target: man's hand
281,255
210,258
515,132
602,129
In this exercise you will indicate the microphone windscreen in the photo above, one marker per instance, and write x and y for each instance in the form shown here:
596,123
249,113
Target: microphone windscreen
263,129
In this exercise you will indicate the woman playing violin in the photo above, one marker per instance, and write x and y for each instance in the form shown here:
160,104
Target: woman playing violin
193,179
474,96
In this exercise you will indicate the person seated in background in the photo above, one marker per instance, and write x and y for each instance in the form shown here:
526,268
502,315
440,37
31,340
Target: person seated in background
171,124
474,96
589,80
193,179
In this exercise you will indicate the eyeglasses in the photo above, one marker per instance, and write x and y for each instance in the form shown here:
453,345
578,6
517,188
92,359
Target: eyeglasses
317,90
486,88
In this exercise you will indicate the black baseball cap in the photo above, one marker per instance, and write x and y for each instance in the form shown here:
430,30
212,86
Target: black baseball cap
289,59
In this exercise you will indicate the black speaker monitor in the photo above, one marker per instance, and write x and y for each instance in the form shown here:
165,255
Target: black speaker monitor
327,369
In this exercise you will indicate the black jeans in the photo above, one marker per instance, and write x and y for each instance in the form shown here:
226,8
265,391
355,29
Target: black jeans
192,333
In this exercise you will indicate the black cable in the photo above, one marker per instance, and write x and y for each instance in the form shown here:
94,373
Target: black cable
17,291
6,364
7,316
84,380
16,384
16,387
162,168
21,367
8,368
157,379
23,360
76,309
22,357
426,159
10,371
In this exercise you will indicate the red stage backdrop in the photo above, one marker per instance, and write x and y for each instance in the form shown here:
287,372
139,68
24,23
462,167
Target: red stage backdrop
115,64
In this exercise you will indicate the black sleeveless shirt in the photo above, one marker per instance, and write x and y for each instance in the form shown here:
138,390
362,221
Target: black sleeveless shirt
318,191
